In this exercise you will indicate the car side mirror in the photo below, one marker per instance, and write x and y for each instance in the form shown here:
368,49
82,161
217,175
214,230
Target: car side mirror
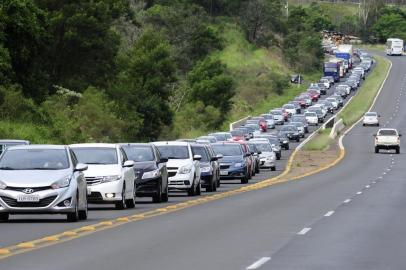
374,135
247,155
219,156
252,153
214,159
400,135
379,115
128,163
81,167
259,152
197,157
163,160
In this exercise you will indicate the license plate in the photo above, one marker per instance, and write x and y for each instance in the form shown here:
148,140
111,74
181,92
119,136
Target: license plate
224,173
28,198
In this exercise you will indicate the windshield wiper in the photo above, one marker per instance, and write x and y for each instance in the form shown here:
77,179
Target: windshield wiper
97,163
8,168
42,168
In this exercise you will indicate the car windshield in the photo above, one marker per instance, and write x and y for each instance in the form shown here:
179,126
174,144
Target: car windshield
310,114
173,151
264,147
96,155
289,128
288,106
274,141
197,150
219,137
387,132
370,114
4,146
297,119
297,124
139,153
208,138
238,133
34,159
228,150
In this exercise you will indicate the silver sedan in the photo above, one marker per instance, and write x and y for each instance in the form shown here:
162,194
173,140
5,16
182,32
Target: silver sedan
42,179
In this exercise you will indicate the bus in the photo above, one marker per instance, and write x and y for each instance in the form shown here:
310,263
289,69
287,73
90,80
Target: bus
394,46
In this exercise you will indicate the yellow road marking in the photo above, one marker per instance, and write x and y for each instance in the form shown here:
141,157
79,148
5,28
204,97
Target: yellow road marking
104,225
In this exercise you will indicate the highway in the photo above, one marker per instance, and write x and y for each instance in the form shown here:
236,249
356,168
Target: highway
348,217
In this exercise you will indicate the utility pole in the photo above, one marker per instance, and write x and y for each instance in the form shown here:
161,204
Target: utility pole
287,8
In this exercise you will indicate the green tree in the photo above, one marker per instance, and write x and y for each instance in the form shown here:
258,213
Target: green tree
143,87
389,25
211,85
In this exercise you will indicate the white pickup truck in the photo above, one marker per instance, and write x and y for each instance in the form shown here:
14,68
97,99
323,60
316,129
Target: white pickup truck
387,139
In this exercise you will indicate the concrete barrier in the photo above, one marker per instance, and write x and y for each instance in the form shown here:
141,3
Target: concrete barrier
239,123
337,128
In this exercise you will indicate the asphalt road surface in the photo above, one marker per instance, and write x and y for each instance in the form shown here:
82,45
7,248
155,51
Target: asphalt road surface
280,227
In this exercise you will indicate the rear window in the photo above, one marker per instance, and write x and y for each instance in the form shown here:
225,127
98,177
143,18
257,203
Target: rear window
387,132
370,114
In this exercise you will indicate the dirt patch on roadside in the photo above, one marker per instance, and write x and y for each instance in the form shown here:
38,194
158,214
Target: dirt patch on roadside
308,161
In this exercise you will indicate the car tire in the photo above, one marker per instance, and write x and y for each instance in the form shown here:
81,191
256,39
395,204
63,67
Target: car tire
278,157
121,204
273,168
363,125
398,150
215,185
297,139
191,190
198,190
157,197
73,217
4,216
376,150
83,214
218,180
130,203
244,180
210,186
257,169
287,147
165,196
377,125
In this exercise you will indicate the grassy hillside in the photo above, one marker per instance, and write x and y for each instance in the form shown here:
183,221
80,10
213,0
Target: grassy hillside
261,76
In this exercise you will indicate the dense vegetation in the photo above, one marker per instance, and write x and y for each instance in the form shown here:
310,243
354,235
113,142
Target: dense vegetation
130,70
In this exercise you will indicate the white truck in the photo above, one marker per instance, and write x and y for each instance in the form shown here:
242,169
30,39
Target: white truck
394,46
387,138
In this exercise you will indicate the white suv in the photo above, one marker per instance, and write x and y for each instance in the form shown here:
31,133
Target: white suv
110,176
183,166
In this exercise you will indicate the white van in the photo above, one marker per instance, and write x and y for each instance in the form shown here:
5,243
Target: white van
394,46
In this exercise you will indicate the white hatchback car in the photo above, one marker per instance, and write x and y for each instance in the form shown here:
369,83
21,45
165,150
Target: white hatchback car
311,118
370,119
183,166
110,175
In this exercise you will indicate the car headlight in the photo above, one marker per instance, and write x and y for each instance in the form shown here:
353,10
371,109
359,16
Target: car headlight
151,174
111,178
64,182
205,169
185,169
2,185
285,141
238,165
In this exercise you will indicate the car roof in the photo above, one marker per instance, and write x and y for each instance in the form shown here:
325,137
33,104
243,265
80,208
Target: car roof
94,145
176,143
39,146
136,144
13,141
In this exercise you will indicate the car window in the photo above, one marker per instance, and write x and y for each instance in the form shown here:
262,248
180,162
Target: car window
198,150
174,151
139,153
237,133
228,149
73,157
387,132
370,114
34,159
96,155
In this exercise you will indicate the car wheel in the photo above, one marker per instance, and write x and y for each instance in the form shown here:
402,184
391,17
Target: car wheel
218,180
257,168
278,157
287,147
376,150
273,168
121,204
377,125
210,186
297,139
363,125
165,196
130,203
4,216
73,217
215,185
191,190
198,190
83,213
244,180
157,198
398,150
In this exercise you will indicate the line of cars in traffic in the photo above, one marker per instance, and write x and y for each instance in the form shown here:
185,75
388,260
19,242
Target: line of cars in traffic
55,179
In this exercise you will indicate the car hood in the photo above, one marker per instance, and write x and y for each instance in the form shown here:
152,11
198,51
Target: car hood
231,159
32,178
102,170
178,162
145,166
266,154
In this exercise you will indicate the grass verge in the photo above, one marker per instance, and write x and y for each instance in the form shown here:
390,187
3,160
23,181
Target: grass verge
319,142
366,94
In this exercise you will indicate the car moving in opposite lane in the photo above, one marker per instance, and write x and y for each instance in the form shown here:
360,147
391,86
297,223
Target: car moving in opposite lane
42,179
151,174
110,176
183,166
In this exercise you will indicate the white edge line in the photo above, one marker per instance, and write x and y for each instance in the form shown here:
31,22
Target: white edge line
304,231
359,192
258,263
347,201
340,141
329,214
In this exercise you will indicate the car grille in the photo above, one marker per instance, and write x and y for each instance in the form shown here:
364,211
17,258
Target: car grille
171,174
42,203
36,189
93,180
176,183
224,167
95,196
172,168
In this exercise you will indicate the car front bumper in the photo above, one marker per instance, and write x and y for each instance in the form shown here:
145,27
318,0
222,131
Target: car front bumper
232,172
98,192
147,187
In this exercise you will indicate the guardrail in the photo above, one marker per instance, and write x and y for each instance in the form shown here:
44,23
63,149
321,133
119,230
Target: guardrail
238,123
337,128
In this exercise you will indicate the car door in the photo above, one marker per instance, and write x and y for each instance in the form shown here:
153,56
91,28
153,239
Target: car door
196,164
162,168
128,172
81,181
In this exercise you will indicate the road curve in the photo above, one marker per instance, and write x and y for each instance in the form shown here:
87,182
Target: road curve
280,227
